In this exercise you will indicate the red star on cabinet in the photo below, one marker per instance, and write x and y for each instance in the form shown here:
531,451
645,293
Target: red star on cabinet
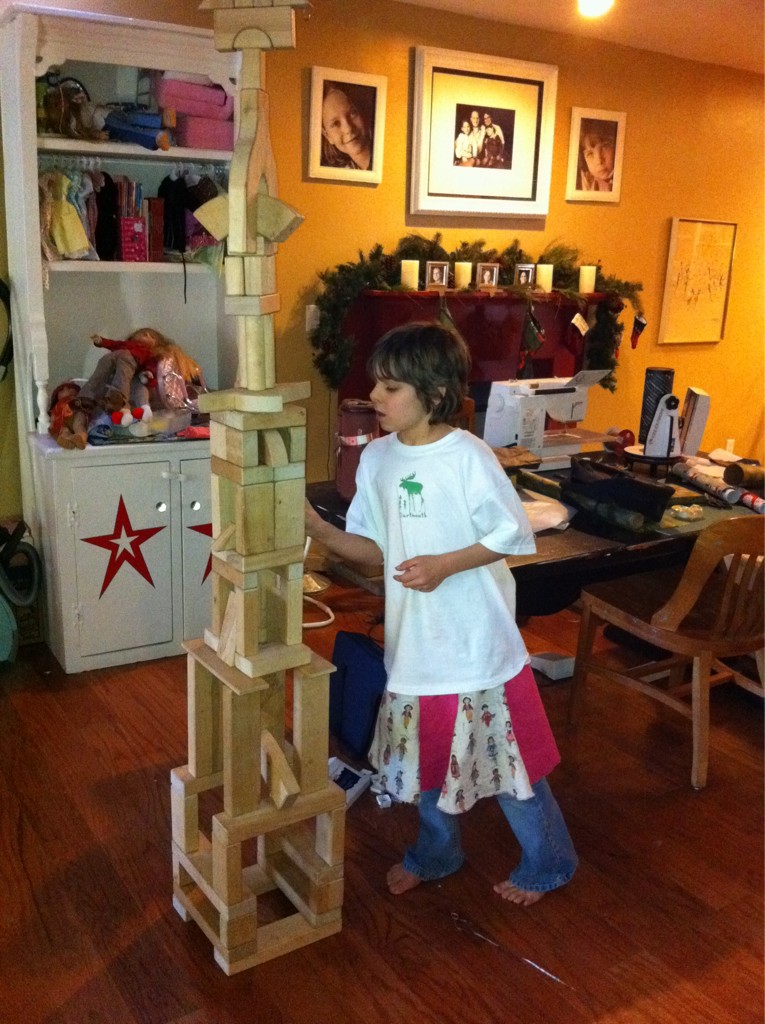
206,530
124,545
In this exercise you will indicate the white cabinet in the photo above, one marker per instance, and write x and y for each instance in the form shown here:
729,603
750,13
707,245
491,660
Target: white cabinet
69,498
130,542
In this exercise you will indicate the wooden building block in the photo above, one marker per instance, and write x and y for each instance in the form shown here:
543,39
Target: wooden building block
252,305
330,836
241,400
231,678
273,450
241,751
274,657
281,783
184,815
203,708
248,617
275,219
259,275
310,723
288,416
289,514
254,518
226,866
226,646
233,269
242,570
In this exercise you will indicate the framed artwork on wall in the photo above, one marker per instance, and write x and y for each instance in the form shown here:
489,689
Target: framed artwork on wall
347,125
697,284
482,134
595,155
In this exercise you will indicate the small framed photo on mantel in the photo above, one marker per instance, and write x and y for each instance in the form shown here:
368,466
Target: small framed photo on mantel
436,276
346,127
524,275
487,277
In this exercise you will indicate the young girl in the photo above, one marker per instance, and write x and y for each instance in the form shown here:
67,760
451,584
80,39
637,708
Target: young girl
461,717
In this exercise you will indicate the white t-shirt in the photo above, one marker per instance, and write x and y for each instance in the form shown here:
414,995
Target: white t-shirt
427,500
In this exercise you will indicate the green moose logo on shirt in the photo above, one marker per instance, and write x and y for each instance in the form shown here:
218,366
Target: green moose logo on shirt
411,502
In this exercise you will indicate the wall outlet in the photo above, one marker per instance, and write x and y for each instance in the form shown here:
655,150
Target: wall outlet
311,318
730,444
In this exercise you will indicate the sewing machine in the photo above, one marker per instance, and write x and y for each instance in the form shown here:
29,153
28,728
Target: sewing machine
518,410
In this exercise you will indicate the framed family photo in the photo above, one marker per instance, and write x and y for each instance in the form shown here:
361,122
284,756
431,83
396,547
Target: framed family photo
487,275
482,134
346,129
436,274
697,285
524,275
595,155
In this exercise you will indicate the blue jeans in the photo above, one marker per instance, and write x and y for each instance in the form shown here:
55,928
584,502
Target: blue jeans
548,859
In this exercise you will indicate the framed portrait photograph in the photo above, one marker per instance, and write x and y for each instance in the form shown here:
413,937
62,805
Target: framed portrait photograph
347,125
595,155
482,134
524,275
697,285
487,275
436,274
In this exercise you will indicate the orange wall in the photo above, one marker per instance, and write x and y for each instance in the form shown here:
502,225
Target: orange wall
694,148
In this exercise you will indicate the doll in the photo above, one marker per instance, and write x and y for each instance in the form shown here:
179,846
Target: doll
132,372
68,424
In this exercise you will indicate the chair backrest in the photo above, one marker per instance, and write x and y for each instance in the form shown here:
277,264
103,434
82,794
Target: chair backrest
727,558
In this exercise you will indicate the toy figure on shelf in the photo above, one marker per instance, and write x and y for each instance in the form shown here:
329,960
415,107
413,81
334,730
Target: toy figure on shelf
143,372
68,424
69,111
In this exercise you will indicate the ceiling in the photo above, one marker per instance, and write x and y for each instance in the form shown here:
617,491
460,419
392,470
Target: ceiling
728,32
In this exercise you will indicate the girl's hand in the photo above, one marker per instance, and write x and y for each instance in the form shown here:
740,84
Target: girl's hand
423,573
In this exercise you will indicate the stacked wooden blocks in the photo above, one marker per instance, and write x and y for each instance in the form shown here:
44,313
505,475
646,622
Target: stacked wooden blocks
281,825
258,827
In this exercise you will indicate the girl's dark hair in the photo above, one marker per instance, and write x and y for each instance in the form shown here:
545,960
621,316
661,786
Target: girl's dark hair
430,357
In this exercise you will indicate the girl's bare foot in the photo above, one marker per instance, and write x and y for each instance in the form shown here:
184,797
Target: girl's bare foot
511,893
400,880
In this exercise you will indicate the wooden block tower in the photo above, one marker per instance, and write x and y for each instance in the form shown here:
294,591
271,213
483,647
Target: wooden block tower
258,827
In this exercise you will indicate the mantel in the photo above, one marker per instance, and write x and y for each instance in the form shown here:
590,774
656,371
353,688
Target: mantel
490,322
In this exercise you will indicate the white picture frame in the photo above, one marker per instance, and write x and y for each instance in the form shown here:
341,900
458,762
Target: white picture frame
364,94
697,283
519,95
587,179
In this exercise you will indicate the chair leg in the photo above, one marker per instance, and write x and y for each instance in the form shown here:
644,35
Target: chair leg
702,668
587,628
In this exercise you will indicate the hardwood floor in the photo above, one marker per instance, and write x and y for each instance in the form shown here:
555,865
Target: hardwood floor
662,923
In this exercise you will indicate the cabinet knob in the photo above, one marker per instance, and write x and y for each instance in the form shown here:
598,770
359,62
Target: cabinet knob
161,506
195,506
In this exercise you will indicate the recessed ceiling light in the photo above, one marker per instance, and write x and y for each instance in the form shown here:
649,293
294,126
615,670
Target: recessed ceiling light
595,8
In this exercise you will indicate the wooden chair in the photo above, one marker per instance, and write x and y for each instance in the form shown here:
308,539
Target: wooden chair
465,417
708,610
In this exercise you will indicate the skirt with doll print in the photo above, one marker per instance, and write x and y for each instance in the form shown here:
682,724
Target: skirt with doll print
471,745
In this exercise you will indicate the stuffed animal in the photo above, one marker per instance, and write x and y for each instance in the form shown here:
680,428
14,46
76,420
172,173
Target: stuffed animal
68,424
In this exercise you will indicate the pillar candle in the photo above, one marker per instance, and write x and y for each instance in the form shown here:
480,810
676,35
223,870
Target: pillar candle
544,276
410,274
587,280
463,272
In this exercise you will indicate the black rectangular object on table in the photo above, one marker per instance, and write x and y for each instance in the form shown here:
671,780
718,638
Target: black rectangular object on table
355,689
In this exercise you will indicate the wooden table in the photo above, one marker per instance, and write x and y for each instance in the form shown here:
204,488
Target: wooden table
565,560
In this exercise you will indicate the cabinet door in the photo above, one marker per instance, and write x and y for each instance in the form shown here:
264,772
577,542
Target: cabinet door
123,561
196,537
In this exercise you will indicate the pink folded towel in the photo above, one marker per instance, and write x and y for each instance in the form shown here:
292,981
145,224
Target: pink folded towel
201,101
204,133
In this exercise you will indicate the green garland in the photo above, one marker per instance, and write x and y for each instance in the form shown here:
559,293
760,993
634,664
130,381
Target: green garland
333,349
